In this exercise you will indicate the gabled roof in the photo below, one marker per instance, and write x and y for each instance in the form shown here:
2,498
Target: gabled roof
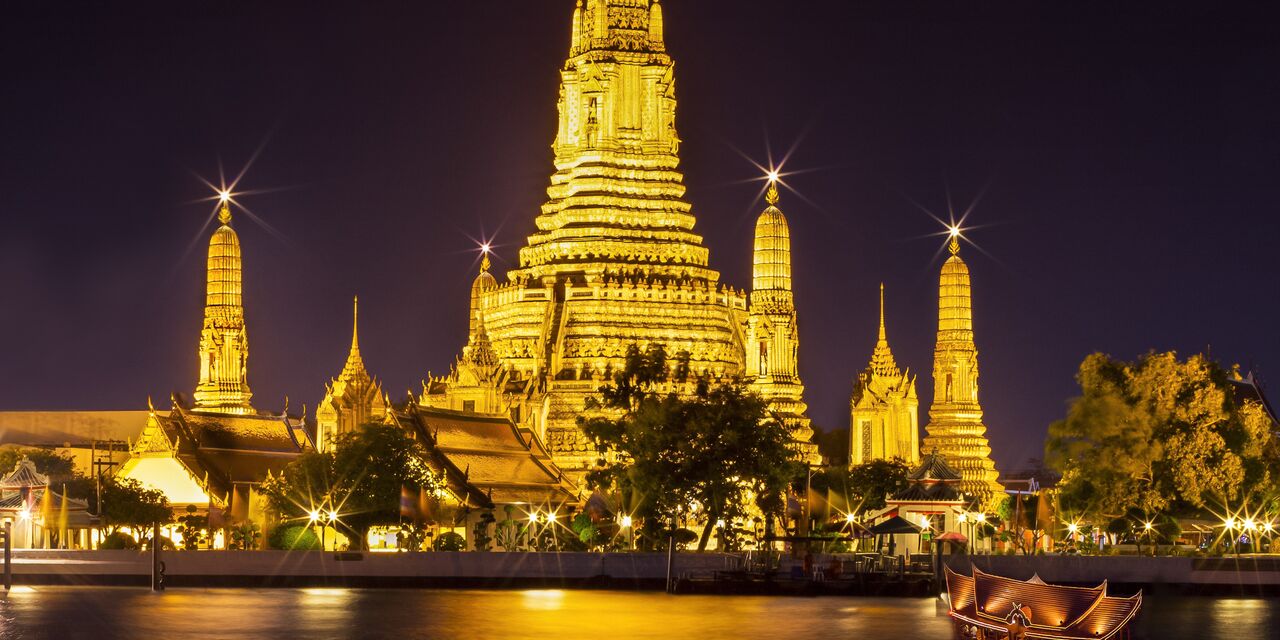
24,474
921,492
934,467
491,456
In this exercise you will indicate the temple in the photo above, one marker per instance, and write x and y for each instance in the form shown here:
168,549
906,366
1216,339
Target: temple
955,427
213,453
614,260
351,399
884,409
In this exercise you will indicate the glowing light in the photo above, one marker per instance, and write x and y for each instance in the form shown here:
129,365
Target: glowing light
333,516
982,517
963,518
1268,527
533,517
953,231
224,196
1249,524
551,516
24,514
315,515
1146,526
773,175
1230,523
626,522
485,247
720,523
848,517
1072,528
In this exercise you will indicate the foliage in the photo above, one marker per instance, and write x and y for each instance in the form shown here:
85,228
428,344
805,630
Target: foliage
412,536
244,537
194,529
118,540
508,532
670,444
480,531
1159,434
294,538
1027,520
126,503
449,541
866,485
361,479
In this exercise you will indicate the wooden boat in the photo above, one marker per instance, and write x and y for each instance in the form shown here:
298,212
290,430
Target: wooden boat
990,607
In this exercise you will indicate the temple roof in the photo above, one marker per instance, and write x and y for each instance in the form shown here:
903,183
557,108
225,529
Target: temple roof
24,475
937,492
493,457
934,467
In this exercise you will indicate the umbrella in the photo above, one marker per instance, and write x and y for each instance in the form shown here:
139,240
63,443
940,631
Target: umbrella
952,536
896,524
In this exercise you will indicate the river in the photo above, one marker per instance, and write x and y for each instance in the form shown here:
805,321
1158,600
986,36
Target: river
98,612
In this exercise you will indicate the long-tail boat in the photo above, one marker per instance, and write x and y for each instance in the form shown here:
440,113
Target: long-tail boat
990,607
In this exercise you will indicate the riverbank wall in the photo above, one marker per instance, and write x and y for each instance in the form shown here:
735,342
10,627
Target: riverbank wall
355,569
1246,575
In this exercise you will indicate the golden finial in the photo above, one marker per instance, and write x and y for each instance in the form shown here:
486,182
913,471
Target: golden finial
224,214
955,241
355,323
771,196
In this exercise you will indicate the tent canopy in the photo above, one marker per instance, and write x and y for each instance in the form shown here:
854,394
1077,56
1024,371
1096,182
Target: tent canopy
896,524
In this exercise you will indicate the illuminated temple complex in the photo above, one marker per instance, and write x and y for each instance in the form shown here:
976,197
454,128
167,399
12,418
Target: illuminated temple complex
614,260
884,409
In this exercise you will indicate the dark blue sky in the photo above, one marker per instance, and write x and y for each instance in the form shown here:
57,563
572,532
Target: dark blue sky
1129,159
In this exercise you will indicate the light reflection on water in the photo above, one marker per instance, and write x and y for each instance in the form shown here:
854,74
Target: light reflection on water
68,612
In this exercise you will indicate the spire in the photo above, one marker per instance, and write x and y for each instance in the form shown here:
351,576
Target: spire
771,264
354,368
954,246
224,349
883,337
882,362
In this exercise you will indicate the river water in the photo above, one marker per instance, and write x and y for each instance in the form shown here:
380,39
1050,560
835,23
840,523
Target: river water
88,612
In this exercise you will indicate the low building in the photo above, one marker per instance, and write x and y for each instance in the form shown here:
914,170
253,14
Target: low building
40,517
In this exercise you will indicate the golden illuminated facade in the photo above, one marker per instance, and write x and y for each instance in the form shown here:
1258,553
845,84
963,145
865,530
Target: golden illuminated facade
884,410
955,419
224,345
351,399
614,260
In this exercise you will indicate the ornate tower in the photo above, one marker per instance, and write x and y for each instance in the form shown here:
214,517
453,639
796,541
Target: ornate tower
351,399
773,338
224,346
614,260
884,409
955,418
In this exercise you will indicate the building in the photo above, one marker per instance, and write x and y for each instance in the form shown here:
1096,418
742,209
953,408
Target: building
39,517
615,261
955,427
214,452
884,410
351,399
933,503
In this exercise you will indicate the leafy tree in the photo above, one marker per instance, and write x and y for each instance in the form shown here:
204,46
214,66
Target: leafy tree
127,503
480,530
1025,517
1160,434
244,537
194,529
450,541
60,468
360,480
670,444
294,538
870,482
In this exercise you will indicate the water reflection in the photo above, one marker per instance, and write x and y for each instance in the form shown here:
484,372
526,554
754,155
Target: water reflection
63,612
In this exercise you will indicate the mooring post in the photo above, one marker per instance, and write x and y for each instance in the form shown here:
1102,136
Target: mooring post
157,565
8,556
671,559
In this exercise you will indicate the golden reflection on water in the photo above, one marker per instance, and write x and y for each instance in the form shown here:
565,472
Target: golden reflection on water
542,614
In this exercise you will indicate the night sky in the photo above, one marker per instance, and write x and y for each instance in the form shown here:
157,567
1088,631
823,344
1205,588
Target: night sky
1128,161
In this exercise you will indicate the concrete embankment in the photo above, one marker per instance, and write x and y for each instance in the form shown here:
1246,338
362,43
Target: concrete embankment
315,568
1247,575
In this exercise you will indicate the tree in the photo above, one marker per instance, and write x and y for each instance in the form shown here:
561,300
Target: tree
1161,435
1026,517
360,480
60,468
672,444
126,503
869,483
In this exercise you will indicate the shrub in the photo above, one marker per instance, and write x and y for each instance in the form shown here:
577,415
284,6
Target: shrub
118,540
294,538
449,541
